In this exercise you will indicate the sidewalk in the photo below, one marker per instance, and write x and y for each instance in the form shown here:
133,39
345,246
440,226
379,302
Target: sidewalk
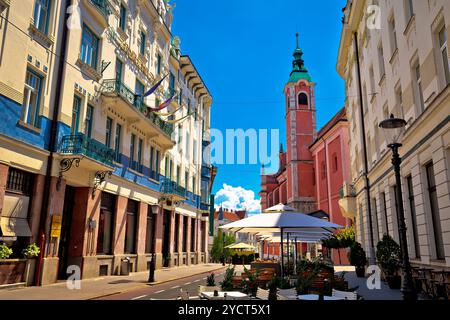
98,287
385,293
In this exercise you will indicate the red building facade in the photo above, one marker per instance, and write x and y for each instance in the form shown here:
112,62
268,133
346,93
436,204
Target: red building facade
315,165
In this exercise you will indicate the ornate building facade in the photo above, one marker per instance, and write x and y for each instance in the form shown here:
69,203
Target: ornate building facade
400,68
98,172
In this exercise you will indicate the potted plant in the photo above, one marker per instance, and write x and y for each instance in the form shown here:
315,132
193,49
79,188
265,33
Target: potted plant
250,284
357,258
388,258
5,251
273,285
31,252
211,281
227,283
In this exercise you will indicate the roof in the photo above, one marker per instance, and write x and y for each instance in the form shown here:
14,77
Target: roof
297,76
338,117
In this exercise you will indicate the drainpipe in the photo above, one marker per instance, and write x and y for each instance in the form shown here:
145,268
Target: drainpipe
365,156
52,143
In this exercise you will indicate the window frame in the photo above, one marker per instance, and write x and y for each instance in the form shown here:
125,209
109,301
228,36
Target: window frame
118,142
122,17
108,131
37,22
28,91
444,55
75,125
95,47
89,120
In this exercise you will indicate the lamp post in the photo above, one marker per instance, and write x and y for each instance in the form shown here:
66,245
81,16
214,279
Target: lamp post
393,129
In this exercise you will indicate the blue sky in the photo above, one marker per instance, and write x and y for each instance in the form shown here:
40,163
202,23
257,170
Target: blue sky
243,50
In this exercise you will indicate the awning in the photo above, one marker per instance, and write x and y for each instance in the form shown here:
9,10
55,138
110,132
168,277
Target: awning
15,227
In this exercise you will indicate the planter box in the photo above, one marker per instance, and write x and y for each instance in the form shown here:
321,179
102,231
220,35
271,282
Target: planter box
12,271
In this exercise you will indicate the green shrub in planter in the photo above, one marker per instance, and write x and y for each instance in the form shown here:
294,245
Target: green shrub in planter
210,280
5,252
227,283
357,258
388,258
273,286
32,251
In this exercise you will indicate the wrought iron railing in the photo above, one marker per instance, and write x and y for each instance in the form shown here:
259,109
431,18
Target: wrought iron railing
80,144
118,87
170,187
102,6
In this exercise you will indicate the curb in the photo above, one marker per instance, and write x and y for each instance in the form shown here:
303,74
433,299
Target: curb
150,284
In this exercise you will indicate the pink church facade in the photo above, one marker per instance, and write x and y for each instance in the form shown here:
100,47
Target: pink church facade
315,165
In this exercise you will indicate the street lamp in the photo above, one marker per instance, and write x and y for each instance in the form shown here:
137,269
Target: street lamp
393,129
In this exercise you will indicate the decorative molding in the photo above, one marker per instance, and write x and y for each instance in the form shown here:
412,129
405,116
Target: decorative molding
65,165
89,71
100,177
42,38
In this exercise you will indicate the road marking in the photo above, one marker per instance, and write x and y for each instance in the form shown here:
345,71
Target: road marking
159,291
204,278
187,283
197,280
140,297
176,287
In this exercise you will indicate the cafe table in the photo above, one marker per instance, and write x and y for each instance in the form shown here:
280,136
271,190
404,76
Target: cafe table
231,295
315,297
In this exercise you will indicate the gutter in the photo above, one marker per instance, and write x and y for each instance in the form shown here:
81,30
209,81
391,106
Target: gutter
365,156
52,143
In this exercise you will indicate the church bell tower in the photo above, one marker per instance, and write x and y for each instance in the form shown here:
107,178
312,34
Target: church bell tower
301,132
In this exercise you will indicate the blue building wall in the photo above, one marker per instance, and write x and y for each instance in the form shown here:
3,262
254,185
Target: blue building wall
10,114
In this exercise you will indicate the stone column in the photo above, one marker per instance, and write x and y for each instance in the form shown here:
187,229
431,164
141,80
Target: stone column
180,238
188,241
141,237
173,216
119,232
206,235
36,206
50,264
83,238
158,237
3,180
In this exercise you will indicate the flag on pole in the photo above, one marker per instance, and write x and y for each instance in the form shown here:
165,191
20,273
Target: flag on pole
153,89
163,105
179,120
164,114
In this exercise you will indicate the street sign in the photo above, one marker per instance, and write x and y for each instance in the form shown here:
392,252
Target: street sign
56,226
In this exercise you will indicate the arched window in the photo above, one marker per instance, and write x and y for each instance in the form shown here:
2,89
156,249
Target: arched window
302,99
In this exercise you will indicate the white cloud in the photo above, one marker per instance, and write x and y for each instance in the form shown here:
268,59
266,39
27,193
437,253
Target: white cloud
237,198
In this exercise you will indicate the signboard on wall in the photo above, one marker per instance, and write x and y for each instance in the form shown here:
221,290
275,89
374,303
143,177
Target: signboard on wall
56,226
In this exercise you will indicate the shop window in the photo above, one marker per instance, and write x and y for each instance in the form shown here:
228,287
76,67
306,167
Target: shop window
106,223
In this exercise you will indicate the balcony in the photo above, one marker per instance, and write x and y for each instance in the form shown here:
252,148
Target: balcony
80,145
347,202
115,88
173,189
206,171
99,9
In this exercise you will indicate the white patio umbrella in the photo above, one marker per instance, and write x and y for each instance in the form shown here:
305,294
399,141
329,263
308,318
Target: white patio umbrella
306,227
280,208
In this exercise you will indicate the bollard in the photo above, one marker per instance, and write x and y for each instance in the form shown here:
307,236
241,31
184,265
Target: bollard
151,277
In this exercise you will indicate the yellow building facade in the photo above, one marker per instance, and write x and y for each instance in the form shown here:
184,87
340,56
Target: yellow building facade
105,176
